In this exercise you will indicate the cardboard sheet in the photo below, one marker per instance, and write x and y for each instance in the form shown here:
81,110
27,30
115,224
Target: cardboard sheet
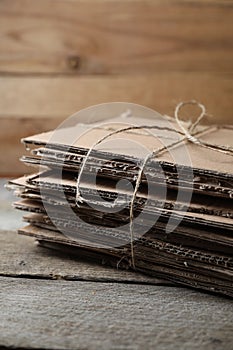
197,252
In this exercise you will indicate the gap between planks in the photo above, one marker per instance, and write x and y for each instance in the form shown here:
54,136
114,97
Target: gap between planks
22,258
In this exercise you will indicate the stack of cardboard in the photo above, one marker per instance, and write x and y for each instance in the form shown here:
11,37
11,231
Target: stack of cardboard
179,225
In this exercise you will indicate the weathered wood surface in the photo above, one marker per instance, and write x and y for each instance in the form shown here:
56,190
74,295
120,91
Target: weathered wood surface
51,301
115,36
21,257
86,315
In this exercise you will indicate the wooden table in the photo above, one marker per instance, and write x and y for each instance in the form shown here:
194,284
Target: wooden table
52,301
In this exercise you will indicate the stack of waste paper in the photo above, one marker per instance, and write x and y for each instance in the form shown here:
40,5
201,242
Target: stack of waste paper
135,193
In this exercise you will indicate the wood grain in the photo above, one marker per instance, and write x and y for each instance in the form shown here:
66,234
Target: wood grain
62,96
85,315
58,59
80,37
31,105
12,129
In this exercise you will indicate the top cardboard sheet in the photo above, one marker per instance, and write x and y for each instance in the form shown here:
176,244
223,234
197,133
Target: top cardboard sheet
137,143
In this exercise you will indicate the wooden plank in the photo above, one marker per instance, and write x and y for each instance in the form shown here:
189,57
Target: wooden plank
85,315
78,37
62,96
11,132
34,104
21,257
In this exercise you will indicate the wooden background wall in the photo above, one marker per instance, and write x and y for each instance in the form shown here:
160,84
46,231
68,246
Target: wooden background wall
58,56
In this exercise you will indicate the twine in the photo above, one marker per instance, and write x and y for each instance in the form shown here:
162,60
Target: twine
187,134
